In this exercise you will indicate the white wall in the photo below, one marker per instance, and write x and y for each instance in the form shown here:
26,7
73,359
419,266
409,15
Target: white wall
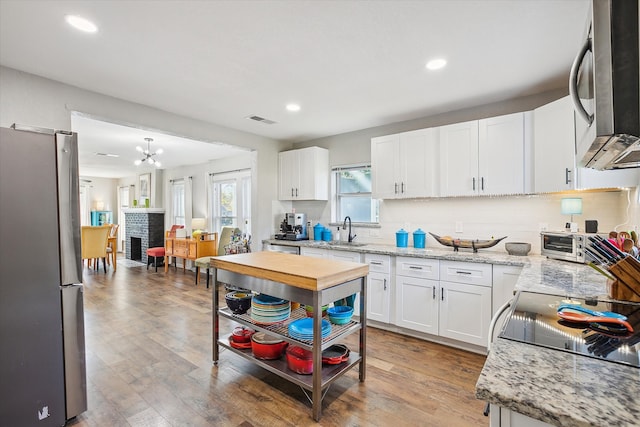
31,100
103,194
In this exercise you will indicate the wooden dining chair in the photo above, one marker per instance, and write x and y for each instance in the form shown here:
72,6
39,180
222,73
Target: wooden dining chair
112,245
94,241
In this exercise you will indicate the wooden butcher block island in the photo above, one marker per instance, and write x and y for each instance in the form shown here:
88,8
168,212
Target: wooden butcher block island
308,281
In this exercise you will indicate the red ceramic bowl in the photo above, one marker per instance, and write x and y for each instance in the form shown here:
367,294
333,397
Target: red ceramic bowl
267,347
300,360
242,334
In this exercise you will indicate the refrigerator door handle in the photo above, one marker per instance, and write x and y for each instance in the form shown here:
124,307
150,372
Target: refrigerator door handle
69,208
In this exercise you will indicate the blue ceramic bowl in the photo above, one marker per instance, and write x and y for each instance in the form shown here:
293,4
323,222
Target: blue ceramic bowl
340,312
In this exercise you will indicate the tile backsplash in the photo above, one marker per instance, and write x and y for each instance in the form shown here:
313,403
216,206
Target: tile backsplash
520,218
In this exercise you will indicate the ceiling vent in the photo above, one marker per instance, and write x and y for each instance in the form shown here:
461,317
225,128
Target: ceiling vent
261,120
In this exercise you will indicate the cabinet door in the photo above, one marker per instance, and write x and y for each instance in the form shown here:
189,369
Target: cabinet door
501,154
313,174
417,304
459,159
314,252
553,147
465,312
288,173
344,256
385,166
419,160
378,297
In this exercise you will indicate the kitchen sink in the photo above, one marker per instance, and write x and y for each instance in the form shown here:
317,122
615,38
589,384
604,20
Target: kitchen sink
354,244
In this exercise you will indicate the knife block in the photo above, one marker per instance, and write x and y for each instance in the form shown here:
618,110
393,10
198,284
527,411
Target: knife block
627,285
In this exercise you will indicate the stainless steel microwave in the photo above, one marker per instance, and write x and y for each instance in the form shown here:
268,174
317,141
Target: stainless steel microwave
564,246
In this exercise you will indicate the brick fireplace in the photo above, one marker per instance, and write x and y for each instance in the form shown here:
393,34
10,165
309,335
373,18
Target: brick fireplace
144,230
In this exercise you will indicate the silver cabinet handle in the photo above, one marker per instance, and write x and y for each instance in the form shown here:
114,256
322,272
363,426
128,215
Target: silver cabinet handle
434,292
442,294
463,272
395,184
474,183
573,82
415,267
296,192
385,284
402,188
567,171
375,262
482,183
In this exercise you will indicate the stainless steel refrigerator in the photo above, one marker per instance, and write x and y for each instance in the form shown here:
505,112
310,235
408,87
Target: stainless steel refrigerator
42,353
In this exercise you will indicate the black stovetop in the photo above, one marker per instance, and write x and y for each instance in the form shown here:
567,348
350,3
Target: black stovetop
534,320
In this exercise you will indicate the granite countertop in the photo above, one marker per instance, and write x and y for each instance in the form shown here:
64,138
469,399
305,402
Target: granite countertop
556,387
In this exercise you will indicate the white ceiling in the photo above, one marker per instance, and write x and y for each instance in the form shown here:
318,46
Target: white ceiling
349,64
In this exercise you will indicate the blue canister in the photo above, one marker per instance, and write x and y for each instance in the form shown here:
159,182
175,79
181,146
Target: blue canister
418,239
402,238
326,235
317,231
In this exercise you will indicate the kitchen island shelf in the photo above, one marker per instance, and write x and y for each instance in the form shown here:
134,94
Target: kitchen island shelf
281,329
309,281
279,367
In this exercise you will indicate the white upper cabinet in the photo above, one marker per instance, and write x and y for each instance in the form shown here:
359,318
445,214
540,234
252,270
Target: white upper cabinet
554,153
555,156
484,157
459,159
304,174
405,165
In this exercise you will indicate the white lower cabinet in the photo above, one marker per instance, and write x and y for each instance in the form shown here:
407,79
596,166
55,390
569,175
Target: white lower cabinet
417,304
417,288
501,417
378,287
465,312
458,308
504,282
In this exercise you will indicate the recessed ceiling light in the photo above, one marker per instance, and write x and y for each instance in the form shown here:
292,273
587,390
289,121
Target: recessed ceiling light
293,107
436,64
81,23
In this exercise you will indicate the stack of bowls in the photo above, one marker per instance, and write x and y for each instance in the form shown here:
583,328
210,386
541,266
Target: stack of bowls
309,310
238,302
340,314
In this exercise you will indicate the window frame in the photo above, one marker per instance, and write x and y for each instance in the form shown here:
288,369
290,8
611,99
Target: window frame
337,215
242,179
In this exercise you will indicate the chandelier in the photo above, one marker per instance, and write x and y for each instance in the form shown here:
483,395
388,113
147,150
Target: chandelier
148,155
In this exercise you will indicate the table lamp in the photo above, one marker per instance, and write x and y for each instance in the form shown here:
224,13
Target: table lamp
197,226
571,206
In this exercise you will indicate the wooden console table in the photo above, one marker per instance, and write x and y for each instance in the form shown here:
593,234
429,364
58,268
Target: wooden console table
309,281
189,248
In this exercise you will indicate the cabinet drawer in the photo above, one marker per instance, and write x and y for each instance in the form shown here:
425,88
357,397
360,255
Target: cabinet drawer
378,263
180,251
466,272
417,267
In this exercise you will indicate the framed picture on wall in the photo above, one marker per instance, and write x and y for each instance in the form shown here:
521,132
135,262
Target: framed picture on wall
145,187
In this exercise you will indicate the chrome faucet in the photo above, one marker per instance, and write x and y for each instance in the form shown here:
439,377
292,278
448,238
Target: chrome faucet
350,238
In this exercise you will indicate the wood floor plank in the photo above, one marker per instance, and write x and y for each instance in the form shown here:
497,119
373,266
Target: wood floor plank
149,337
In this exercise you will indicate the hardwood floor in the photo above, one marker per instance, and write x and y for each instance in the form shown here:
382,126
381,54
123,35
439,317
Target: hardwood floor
148,342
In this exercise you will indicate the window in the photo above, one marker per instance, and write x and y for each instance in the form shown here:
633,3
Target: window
351,193
231,200
85,202
178,202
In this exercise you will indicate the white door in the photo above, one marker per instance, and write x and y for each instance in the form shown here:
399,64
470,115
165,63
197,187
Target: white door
378,298
124,199
288,165
419,163
385,164
416,304
501,154
459,159
465,312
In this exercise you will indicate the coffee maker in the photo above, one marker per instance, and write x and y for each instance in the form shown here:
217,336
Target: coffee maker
293,227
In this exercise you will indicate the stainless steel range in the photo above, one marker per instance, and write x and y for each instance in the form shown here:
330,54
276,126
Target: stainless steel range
534,320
